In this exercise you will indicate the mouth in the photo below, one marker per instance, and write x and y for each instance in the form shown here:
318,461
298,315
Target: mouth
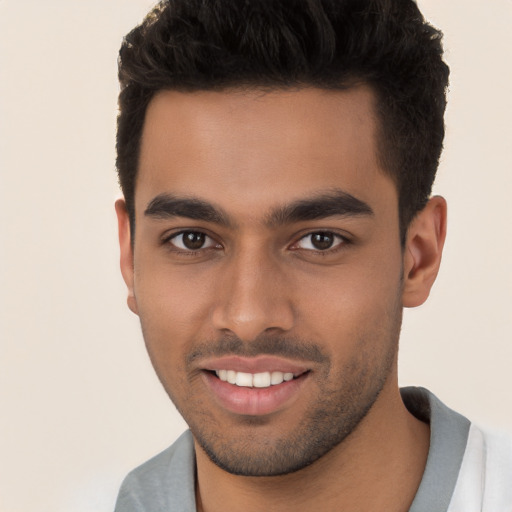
254,387
255,380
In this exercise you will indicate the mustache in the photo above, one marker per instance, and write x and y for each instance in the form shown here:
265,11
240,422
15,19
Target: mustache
287,347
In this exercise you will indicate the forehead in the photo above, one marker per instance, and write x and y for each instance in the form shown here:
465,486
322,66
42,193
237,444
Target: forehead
256,149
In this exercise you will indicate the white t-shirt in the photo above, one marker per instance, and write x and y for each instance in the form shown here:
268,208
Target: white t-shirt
485,476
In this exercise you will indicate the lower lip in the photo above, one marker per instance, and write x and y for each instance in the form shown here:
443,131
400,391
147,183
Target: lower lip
253,401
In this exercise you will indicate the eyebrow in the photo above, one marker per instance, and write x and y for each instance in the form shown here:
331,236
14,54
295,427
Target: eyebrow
333,203
166,206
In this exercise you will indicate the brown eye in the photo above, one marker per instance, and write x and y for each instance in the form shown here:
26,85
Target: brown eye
320,241
192,241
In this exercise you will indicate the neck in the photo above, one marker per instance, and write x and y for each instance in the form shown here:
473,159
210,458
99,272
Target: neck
377,467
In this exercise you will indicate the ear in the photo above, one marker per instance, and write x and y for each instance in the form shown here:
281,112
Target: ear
423,251
125,244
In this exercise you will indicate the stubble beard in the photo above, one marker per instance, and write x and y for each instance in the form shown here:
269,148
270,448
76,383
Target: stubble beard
330,420
343,402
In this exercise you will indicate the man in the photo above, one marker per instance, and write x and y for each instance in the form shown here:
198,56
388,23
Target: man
276,160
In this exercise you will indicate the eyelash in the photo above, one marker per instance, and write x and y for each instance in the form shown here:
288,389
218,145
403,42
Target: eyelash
340,242
168,241
343,241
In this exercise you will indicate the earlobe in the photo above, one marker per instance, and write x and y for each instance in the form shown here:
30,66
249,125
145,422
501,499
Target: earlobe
126,251
423,251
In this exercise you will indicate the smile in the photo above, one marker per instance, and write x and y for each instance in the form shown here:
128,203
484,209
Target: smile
256,380
254,386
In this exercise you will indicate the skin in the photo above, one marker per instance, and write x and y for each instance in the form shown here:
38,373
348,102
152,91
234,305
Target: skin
257,286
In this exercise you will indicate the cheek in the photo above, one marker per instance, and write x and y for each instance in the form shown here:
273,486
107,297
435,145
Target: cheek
176,295
173,306
352,305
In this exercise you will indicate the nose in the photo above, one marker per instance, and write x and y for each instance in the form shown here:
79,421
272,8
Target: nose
254,296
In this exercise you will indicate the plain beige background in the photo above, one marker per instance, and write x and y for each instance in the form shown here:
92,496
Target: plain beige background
79,403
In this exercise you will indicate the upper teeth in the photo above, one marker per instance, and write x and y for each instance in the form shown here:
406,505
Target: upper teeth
256,380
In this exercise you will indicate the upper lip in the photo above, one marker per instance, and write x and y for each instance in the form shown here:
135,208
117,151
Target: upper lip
257,364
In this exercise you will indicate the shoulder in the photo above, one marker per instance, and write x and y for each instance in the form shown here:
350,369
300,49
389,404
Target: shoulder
469,468
486,472
163,483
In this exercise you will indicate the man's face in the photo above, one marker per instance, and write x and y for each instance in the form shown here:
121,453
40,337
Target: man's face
267,247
